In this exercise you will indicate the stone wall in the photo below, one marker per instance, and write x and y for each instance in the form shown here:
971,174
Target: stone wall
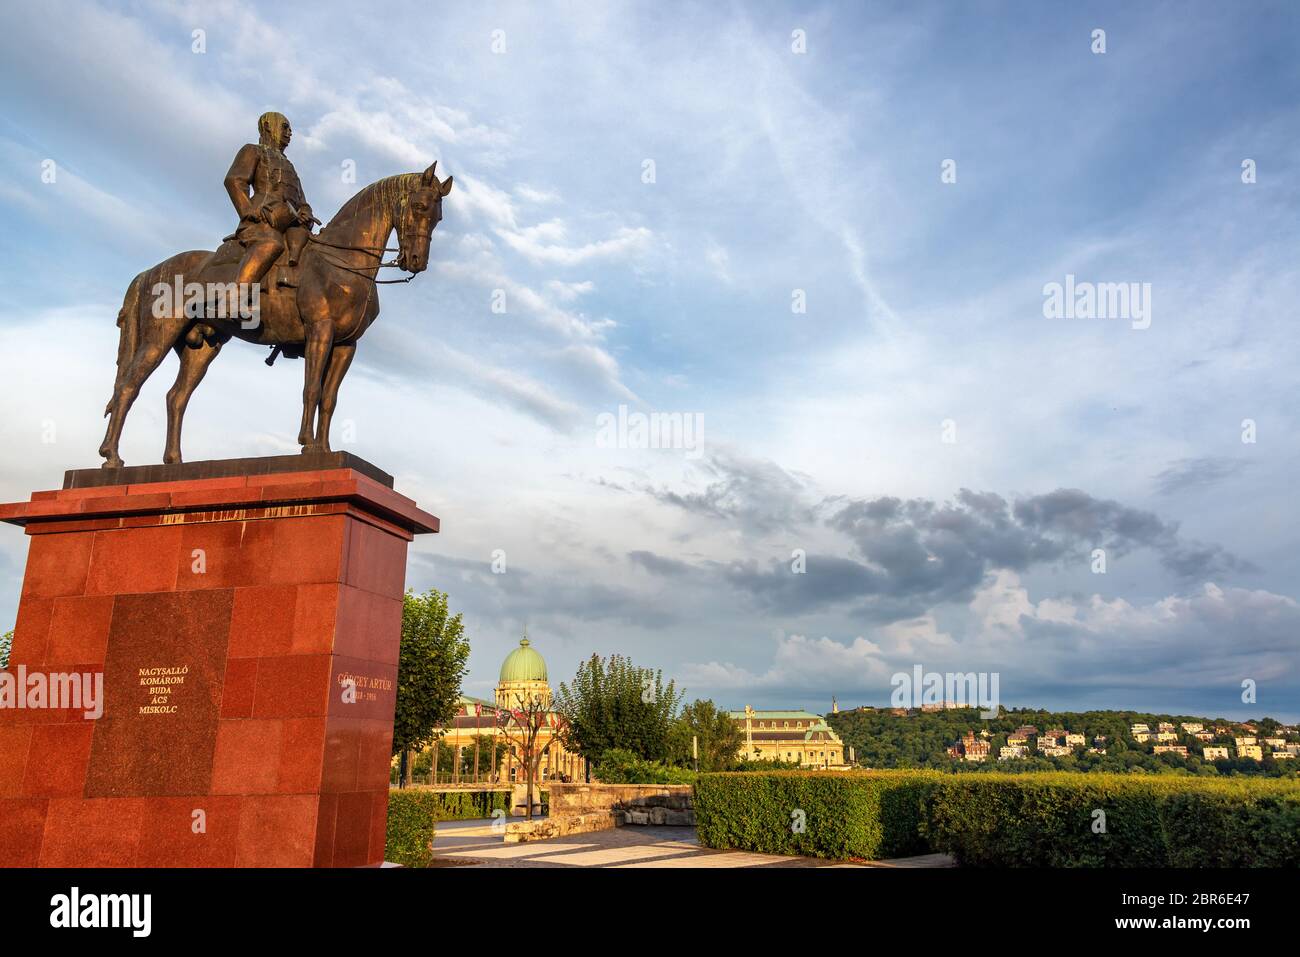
579,808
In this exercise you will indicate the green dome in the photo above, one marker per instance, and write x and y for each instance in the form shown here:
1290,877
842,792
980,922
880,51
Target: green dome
523,664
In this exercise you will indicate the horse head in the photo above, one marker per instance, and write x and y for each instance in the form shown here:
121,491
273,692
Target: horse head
419,212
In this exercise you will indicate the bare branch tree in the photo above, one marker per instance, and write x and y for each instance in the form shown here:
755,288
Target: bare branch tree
522,725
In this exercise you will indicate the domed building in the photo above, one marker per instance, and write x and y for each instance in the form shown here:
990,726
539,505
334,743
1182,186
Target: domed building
523,678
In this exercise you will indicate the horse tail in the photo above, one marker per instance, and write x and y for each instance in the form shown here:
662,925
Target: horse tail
128,324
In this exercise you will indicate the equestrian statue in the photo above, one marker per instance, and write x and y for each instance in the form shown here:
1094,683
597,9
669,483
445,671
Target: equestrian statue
274,283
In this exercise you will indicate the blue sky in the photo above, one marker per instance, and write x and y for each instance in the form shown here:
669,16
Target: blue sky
775,171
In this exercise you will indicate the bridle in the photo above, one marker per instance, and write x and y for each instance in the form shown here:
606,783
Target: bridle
376,251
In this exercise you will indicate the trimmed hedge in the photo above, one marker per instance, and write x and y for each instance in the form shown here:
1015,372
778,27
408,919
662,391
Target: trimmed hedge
844,815
1007,820
466,805
411,821
1047,820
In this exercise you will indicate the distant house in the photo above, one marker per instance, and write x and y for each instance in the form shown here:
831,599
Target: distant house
1275,742
1245,741
1017,740
1215,754
1027,731
1171,749
1167,736
1075,740
1204,735
1165,726
1193,727
1283,755
1051,739
1137,729
1011,752
1055,751
1099,740
1142,736
970,748
1252,752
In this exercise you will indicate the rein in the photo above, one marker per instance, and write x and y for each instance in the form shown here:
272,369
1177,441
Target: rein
369,251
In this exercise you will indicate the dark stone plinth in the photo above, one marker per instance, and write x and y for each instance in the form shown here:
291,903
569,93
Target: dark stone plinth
224,468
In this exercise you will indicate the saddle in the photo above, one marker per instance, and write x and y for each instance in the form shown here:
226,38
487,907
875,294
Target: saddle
278,298
231,251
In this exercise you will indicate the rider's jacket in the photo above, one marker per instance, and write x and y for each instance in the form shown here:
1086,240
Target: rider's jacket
274,181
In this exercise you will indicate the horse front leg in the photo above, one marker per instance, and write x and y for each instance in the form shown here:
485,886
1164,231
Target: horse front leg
340,360
320,339
194,366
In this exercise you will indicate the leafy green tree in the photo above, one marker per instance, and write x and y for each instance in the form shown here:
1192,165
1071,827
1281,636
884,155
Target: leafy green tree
612,703
431,665
720,736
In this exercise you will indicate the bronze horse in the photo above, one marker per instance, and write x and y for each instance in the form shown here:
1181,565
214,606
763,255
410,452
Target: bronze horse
321,318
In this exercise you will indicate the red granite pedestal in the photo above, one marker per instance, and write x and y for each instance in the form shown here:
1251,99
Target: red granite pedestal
277,600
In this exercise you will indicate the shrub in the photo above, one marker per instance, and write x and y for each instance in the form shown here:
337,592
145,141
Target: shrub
1047,820
409,837
619,766
844,815
1006,820
466,805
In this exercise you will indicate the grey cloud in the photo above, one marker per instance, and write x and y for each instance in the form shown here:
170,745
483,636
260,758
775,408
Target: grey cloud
524,595
912,554
1197,473
757,495
657,564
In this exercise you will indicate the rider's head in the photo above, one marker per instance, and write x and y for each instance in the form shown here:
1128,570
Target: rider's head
274,130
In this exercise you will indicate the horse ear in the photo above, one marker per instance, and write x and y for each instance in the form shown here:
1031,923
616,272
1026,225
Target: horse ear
446,185
430,176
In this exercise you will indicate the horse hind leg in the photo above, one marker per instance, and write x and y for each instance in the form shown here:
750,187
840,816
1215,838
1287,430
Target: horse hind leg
157,340
195,360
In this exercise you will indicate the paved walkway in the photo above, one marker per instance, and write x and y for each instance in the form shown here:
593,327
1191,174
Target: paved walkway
475,843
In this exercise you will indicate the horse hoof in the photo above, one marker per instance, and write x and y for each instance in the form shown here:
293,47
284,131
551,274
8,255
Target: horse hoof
113,463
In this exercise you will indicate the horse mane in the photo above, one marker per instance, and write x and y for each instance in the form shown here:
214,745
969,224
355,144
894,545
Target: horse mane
384,194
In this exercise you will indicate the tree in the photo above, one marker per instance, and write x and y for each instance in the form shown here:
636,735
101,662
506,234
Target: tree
521,722
6,645
612,703
431,665
720,737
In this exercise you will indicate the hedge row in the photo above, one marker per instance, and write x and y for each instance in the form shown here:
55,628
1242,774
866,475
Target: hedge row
1052,820
1006,820
466,805
820,814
